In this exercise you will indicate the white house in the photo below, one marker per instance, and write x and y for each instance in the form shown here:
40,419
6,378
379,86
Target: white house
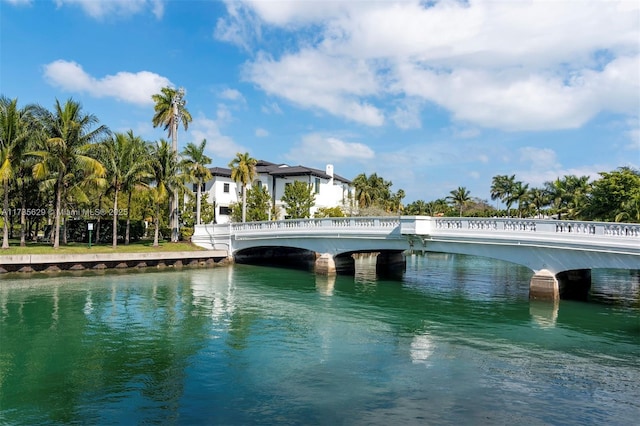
330,189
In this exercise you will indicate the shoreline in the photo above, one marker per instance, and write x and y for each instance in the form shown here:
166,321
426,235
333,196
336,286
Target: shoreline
25,263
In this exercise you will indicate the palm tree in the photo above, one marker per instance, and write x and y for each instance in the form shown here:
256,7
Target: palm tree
373,190
139,175
520,195
243,171
459,197
15,133
62,160
120,155
364,192
166,177
170,111
538,198
569,194
194,162
502,187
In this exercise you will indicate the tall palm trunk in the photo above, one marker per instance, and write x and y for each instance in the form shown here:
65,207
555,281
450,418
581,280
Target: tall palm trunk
157,223
114,244
23,220
127,232
5,230
99,221
244,203
56,228
198,195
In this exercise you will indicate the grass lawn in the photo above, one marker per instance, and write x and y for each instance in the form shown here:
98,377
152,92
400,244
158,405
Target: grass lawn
71,248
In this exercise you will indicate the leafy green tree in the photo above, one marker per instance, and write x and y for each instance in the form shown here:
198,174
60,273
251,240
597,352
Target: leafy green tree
195,164
62,161
243,171
16,128
328,212
459,197
614,196
258,203
299,198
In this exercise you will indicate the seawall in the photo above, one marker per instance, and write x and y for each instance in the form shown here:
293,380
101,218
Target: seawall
88,261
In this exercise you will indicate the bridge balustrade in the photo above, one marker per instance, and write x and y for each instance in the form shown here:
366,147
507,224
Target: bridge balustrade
324,223
538,226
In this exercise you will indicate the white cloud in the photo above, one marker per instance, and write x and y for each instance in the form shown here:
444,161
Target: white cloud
135,88
534,65
407,116
517,100
539,158
261,133
311,79
223,115
327,149
271,108
123,8
219,145
232,95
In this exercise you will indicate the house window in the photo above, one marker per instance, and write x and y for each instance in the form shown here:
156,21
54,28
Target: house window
317,188
225,189
224,210
195,187
259,183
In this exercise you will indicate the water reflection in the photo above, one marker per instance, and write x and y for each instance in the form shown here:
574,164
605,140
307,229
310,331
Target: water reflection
544,313
325,284
422,347
243,345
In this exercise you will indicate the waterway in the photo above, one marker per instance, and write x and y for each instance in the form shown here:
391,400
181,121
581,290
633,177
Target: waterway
456,341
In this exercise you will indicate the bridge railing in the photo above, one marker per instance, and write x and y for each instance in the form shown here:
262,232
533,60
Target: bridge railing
371,223
538,226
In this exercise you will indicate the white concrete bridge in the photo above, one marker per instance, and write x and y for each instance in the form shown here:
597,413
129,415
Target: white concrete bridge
561,253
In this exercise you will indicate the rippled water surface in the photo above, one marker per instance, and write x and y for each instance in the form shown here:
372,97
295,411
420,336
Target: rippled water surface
455,342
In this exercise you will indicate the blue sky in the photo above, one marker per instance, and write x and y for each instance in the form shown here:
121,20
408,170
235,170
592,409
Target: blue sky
431,95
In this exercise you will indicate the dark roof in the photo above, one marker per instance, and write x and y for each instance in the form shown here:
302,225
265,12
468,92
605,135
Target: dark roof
281,170
220,171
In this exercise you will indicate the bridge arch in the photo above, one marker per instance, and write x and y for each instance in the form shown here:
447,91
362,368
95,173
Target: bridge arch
554,250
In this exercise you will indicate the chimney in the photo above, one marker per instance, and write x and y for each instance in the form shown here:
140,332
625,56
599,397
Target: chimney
329,171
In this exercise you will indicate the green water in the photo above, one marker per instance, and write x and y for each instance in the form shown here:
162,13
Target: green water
455,342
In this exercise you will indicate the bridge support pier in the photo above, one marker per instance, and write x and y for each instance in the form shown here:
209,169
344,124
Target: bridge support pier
545,285
325,265
391,264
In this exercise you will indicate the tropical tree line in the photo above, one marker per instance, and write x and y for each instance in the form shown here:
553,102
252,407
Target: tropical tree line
613,197
59,164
